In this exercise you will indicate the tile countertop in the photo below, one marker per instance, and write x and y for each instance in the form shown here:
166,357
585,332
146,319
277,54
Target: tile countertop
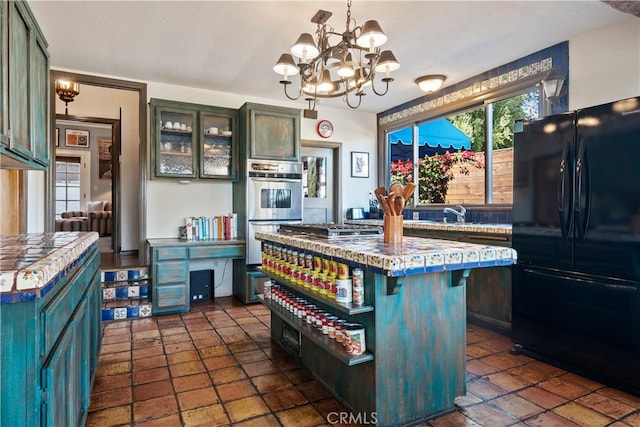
30,264
443,226
415,255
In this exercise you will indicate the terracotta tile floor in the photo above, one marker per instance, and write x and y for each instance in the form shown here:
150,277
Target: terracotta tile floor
216,366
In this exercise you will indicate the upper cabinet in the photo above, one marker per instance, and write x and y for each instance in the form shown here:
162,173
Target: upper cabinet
24,89
193,141
271,133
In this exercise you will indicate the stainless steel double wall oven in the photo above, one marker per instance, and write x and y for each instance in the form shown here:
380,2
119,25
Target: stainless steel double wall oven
274,197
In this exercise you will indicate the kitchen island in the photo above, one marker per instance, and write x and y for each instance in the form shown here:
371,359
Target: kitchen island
51,330
414,316
488,289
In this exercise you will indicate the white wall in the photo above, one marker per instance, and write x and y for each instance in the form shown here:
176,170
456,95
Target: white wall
604,65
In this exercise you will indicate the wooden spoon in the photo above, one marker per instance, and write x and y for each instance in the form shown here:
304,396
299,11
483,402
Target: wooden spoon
408,191
381,195
391,201
398,205
396,188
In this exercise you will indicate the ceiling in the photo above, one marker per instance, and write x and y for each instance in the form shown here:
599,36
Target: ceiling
231,46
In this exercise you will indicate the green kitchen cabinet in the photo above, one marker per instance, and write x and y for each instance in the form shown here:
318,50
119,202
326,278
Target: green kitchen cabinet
50,346
192,141
270,132
24,90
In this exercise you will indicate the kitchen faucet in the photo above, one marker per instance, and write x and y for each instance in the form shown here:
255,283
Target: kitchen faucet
459,214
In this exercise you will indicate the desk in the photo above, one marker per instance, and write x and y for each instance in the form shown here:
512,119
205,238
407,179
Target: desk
170,266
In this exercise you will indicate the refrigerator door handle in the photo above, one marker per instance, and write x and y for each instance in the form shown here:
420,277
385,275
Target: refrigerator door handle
563,213
583,192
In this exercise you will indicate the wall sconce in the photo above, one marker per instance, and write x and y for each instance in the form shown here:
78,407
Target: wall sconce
67,91
553,86
430,83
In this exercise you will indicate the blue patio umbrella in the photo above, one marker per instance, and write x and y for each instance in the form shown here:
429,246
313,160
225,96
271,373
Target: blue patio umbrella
434,137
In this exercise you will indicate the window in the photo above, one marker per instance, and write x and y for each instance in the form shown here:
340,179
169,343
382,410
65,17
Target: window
67,184
451,158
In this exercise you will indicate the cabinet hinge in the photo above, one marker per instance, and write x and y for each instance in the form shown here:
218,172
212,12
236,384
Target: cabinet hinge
44,395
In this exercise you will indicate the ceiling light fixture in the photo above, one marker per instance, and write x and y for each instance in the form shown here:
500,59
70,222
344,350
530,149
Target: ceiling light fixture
67,91
430,83
335,70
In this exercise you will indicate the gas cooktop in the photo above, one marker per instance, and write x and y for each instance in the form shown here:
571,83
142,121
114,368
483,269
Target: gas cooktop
333,230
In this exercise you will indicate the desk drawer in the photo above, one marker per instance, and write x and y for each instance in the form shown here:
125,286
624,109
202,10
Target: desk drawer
223,251
162,254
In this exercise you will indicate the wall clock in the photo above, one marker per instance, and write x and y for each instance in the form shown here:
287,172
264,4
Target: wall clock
325,128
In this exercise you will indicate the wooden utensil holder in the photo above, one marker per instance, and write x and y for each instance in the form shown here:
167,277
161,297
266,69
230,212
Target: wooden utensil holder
393,228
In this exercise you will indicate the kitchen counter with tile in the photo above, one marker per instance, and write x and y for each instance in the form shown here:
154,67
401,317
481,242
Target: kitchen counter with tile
51,330
414,255
443,226
413,316
31,264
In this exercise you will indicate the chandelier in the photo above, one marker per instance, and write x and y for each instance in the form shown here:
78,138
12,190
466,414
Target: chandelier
66,91
338,64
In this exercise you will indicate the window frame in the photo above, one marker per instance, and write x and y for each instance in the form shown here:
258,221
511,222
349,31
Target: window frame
480,101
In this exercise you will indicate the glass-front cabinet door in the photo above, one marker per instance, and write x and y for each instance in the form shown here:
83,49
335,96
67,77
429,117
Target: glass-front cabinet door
193,141
218,149
176,148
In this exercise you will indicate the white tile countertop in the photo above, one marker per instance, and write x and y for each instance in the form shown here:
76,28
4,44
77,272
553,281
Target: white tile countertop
30,264
415,255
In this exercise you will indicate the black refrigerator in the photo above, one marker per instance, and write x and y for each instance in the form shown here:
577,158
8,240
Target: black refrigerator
576,229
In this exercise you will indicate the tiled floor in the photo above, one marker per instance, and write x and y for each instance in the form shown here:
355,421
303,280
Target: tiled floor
216,366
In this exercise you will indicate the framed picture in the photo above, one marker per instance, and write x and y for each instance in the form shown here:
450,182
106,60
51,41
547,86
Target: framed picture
77,138
104,158
359,164
57,137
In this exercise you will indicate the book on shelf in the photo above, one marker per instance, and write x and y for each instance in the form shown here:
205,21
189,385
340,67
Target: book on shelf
220,227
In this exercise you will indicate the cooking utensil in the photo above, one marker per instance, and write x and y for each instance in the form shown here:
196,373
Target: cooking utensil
398,205
396,188
391,199
408,191
381,195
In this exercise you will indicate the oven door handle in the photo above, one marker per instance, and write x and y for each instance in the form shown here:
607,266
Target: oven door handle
275,179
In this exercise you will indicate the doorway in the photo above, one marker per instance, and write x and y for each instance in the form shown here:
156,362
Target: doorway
123,102
321,177
97,142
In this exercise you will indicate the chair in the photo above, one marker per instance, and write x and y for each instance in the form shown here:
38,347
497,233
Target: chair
100,220
97,218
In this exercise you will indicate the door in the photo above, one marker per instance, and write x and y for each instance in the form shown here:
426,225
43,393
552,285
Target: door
607,184
65,375
543,191
102,181
589,322
274,199
318,185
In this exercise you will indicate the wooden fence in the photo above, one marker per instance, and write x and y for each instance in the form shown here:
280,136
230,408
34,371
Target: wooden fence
469,189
